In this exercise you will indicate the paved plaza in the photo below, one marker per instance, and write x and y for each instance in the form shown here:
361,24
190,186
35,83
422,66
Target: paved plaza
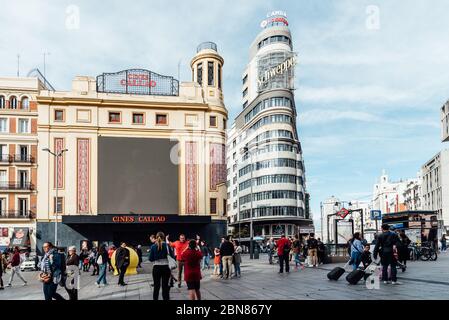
422,280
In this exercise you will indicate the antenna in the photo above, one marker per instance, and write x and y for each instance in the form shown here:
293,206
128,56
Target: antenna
18,65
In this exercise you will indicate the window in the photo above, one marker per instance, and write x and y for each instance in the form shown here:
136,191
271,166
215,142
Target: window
212,121
245,92
199,73
13,102
138,118
23,179
2,102
224,124
59,115
25,103
245,104
23,153
225,207
58,206
114,117
210,73
23,207
213,205
245,78
3,125
23,126
161,119
4,152
219,77
3,207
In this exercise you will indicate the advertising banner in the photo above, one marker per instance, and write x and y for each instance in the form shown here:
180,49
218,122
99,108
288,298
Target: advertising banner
20,238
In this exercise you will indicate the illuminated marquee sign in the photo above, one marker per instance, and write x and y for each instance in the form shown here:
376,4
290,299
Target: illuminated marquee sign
275,18
277,70
137,81
138,219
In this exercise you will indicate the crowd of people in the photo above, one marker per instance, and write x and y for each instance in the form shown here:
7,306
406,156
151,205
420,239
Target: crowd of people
185,260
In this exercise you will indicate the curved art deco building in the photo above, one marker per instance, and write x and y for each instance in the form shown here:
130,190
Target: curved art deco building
265,171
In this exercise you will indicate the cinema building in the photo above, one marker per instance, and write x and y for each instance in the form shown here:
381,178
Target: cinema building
145,153
265,168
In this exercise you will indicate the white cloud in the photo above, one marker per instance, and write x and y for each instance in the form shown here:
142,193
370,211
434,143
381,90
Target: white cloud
313,117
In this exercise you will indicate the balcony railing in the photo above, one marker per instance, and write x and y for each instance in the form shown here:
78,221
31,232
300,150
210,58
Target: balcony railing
22,158
16,186
16,214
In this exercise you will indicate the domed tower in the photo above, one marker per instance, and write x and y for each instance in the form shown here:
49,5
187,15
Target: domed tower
206,68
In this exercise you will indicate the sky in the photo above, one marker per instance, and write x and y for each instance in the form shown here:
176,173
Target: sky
370,80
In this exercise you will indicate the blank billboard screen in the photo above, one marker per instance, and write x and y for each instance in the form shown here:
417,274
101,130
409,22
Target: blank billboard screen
137,175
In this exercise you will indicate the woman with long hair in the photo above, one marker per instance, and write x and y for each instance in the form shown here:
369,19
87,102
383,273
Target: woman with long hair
161,270
356,248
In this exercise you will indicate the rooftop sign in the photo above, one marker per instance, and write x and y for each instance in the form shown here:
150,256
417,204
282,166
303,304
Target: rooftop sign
275,18
137,81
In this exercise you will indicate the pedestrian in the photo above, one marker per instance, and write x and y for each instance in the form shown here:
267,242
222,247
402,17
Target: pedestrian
192,257
51,269
93,261
296,245
237,259
216,262
102,263
270,250
226,253
403,251
3,266
283,245
180,246
15,267
159,252
122,262
443,243
205,251
312,248
72,260
321,251
356,250
139,254
385,247
110,253
221,258
366,256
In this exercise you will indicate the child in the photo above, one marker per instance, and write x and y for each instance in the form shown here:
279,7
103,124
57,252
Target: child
366,256
216,262
86,264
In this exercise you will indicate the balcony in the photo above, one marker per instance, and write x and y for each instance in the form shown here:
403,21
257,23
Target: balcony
17,158
23,158
5,186
16,214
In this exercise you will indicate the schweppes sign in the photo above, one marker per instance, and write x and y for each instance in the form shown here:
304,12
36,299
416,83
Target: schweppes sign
279,69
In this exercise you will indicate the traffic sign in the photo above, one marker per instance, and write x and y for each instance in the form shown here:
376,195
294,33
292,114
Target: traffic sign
376,215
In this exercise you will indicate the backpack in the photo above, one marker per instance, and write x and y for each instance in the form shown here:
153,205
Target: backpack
286,248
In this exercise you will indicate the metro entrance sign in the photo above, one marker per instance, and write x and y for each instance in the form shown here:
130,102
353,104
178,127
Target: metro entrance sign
343,213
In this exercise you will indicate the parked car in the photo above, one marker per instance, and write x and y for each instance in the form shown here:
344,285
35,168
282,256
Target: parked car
28,264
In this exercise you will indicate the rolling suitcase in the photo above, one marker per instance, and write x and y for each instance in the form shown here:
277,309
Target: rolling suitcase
355,276
335,273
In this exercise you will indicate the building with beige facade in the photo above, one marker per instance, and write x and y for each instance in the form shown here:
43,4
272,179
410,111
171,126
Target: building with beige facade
145,153
18,160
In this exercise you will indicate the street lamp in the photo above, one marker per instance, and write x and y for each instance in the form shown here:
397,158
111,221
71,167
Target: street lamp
56,155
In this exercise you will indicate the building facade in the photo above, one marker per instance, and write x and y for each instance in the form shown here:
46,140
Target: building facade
435,188
145,153
265,168
18,160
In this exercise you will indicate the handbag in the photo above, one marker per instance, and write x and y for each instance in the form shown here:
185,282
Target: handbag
100,260
45,277
172,264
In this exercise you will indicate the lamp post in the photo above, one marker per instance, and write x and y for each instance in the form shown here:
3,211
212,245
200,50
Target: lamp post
56,155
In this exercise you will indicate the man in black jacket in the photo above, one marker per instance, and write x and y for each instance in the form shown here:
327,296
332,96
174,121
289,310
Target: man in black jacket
386,246
122,262
226,252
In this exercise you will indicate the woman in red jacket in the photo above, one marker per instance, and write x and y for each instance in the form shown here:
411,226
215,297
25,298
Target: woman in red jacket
192,275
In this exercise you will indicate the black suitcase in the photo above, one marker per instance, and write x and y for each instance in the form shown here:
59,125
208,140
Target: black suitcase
335,273
355,276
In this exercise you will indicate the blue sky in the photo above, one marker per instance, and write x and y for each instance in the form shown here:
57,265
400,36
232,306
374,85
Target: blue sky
368,99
